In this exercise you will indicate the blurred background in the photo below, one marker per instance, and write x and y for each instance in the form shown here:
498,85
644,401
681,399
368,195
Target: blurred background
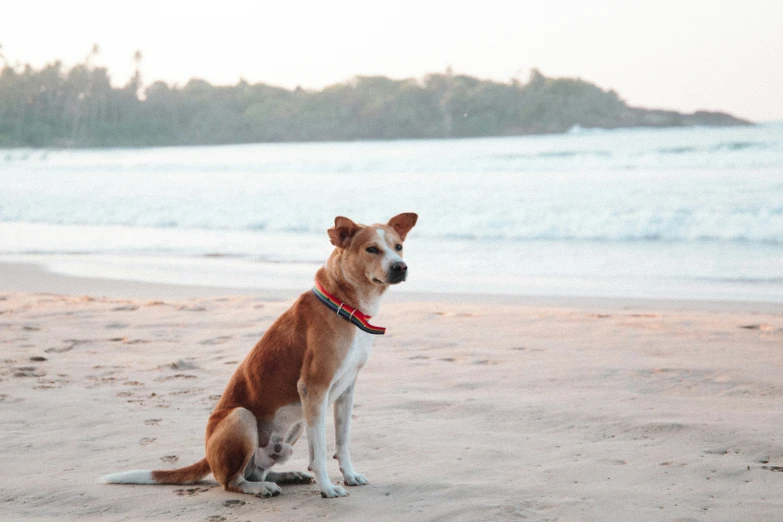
621,149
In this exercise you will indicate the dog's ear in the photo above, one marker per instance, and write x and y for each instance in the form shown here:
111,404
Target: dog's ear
343,231
403,223
293,433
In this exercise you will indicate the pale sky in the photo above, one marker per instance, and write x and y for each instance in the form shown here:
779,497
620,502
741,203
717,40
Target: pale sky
683,55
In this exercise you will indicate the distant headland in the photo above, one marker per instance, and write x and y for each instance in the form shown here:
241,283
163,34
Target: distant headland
78,107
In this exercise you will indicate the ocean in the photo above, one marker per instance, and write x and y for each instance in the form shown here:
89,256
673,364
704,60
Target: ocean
684,213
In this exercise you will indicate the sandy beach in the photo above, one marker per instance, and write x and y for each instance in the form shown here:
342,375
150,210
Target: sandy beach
469,408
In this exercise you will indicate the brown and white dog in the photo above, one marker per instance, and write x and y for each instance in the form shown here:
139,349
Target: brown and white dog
308,359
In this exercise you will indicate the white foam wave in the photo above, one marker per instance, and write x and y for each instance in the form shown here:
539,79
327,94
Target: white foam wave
640,185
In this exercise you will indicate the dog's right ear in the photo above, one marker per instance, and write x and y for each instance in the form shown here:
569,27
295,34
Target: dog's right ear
343,231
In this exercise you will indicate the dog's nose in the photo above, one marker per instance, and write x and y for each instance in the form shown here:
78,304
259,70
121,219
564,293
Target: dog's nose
278,448
399,268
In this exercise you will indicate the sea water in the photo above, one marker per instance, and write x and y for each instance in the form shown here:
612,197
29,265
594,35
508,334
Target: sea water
692,213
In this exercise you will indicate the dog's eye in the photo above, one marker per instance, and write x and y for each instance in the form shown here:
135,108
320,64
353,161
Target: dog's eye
398,248
371,250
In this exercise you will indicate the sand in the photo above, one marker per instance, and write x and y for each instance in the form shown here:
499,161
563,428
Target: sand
469,409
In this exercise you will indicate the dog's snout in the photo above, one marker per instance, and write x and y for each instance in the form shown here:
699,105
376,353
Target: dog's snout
399,268
398,271
278,448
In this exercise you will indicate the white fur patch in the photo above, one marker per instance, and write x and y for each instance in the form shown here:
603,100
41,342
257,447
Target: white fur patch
390,255
354,360
136,476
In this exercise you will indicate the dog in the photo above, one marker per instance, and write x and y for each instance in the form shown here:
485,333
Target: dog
307,360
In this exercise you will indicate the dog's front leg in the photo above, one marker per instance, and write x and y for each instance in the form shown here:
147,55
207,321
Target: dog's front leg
343,407
315,407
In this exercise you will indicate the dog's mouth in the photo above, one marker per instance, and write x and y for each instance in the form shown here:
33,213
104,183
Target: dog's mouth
391,281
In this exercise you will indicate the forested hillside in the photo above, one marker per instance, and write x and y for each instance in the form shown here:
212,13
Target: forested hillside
56,106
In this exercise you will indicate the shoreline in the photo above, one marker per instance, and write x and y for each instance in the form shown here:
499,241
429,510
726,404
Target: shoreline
574,129
33,278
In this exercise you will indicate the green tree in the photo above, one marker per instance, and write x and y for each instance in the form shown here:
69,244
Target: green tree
79,107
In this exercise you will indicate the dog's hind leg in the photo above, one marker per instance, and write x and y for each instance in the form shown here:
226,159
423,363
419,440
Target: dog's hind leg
231,443
291,477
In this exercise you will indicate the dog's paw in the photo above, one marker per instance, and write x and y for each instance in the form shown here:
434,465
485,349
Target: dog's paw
332,491
355,479
290,477
267,489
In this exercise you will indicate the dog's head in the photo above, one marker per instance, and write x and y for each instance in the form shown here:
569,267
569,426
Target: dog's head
372,254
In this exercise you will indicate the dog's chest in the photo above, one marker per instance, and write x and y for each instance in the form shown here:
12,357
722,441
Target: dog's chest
355,359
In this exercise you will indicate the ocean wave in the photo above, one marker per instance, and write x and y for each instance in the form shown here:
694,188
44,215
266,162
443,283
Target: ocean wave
744,280
738,145
609,150
683,185
609,225
677,150
623,207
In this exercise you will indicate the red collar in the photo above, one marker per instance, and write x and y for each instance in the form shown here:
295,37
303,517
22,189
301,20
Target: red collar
347,312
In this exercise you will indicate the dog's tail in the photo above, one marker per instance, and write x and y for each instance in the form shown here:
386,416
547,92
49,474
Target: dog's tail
187,475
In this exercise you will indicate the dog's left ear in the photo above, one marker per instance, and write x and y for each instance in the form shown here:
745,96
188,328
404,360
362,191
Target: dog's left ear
342,232
293,433
403,223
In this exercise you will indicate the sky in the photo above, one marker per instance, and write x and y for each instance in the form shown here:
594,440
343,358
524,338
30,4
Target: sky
684,55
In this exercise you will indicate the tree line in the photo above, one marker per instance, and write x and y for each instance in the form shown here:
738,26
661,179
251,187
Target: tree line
56,106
